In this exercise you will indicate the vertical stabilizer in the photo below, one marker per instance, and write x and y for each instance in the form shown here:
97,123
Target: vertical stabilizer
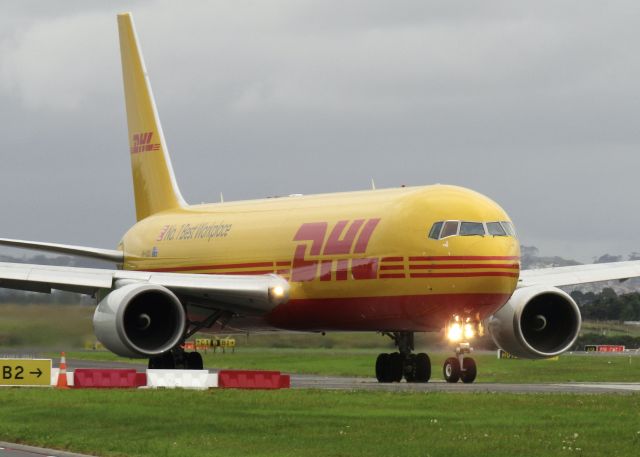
154,184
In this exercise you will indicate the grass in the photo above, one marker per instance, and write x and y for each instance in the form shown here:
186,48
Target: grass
45,325
312,422
567,368
320,423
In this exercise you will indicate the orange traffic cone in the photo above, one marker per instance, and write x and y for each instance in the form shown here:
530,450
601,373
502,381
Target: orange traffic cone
62,375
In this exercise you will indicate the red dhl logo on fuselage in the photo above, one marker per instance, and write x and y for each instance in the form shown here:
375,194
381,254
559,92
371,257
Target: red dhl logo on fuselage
142,143
346,237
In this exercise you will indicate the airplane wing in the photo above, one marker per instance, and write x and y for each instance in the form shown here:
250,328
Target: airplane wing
110,255
241,294
580,274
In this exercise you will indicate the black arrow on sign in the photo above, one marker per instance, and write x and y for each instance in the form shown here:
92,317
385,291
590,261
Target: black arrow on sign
37,373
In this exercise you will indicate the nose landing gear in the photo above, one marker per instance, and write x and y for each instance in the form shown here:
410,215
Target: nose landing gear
460,330
403,364
460,367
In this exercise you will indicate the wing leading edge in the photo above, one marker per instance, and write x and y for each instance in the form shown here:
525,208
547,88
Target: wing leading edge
580,274
240,294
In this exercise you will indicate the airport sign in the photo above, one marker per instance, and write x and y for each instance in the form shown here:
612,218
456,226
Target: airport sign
25,372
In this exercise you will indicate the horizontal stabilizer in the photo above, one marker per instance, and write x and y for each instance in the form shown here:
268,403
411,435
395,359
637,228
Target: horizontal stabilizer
110,255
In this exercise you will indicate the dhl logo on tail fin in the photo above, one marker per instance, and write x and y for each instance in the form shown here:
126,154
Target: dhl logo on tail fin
154,184
142,143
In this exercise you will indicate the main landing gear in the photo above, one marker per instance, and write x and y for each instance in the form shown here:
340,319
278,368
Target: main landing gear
460,367
177,358
403,364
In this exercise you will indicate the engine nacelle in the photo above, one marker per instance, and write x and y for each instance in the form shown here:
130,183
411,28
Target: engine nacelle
537,322
139,320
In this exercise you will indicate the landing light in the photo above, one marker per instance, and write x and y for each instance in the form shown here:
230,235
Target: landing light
469,332
459,329
454,334
276,292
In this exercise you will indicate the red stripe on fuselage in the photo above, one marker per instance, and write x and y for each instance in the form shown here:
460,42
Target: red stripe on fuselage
451,266
214,267
468,274
396,313
464,257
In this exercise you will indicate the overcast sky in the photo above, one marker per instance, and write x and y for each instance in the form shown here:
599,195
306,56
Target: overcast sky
535,104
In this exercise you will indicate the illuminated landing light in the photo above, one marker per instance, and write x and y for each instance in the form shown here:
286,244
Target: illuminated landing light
469,332
276,293
454,333
459,329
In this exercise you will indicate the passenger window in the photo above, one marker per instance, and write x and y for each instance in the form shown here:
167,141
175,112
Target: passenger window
496,229
435,230
471,228
450,228
508,226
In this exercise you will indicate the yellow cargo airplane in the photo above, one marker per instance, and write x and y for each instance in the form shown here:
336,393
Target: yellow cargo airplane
394,261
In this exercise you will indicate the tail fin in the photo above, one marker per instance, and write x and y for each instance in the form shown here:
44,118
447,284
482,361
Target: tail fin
154,184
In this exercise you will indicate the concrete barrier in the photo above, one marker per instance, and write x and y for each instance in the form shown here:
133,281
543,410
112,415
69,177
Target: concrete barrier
108,378
251,379
185,379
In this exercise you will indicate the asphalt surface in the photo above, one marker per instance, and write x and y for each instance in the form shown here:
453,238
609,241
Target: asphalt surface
302,381
19,450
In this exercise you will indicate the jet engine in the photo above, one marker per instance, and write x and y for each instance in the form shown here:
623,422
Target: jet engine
537,322
139,320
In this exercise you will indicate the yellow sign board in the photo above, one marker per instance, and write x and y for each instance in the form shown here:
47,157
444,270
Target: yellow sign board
25,372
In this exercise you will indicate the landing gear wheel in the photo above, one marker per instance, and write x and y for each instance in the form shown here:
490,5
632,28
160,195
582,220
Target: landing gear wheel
395,367
403,364
422,368
469,371
451,370
382,364
409,368
162,362
194,361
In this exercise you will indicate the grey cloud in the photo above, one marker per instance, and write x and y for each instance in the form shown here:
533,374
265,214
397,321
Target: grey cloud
534,104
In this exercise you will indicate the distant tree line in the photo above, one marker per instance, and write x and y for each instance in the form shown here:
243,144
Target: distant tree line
607,305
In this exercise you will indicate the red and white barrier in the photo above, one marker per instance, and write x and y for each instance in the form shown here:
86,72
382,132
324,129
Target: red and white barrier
251,379
184,379
172,379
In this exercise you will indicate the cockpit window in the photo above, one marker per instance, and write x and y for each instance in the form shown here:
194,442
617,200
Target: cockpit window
496,229
435,230
471,228
445,229
450,228
508,226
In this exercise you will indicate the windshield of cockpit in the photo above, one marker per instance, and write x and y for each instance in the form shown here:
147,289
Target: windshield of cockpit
445,229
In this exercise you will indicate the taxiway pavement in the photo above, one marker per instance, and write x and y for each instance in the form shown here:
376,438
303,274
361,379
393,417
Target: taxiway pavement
19,450
303,381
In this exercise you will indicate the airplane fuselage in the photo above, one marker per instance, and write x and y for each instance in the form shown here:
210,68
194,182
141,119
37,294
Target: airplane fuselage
357,261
